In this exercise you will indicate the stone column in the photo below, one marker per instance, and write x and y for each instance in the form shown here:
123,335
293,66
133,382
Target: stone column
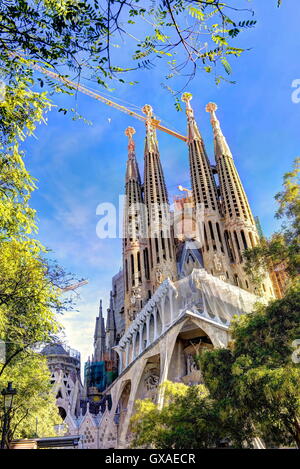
162,309
127,354
239,235
155,322
148,329
218,241
171,305
136,272
133,345
120,355
140,338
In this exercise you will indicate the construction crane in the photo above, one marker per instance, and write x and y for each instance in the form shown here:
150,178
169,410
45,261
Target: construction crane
155,122
74,286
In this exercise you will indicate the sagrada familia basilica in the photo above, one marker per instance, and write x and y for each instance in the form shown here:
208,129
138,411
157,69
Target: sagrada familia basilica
182,281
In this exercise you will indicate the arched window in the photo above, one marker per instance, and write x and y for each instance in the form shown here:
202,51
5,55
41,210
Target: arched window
205,238
163,245
228,247
251,239
219,236
146,264
126,275
244,239
212,235
132,269
139,266
156,249
238,246
62,412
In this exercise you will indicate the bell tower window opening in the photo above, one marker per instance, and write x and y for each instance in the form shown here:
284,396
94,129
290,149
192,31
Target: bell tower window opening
139,266
244,239
156,248
163,245
146,264
126,275
212,235
132,269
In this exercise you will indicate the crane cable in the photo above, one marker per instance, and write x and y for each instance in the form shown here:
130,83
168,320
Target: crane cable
155,122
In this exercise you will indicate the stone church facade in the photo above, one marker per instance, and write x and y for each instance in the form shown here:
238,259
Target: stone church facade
182,280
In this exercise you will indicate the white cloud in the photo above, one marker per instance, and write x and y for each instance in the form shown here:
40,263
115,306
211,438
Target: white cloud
79,324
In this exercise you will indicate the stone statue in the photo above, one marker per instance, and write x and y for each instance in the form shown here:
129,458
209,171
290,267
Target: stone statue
191,365
136,295
218,263
159,276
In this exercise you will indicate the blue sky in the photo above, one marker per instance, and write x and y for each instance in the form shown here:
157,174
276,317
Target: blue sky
79,166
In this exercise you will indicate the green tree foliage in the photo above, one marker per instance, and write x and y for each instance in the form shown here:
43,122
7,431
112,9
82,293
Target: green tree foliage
252,389
190,418
258,375
283,248
82,38
27,299
34,412
29,284
20,112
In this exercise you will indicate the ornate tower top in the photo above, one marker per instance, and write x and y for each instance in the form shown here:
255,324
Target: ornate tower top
132,172
193,131
129,132
221,145
211,107
148,110
186,98
151,144
154,184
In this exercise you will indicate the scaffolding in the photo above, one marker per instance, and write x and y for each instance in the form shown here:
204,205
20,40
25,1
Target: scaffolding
99,375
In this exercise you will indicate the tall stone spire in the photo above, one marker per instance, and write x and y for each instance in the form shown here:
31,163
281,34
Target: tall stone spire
221,145
240,231
133,219
132,170
99,336
161,240
203,183
205,197
110,328
110,321
234,200
135,243
154,182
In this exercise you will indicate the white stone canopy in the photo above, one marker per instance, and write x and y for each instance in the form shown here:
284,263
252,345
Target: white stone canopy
200,293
